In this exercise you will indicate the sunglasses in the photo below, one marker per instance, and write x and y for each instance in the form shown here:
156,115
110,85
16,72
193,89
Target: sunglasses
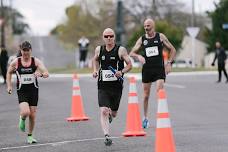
26,49
107,36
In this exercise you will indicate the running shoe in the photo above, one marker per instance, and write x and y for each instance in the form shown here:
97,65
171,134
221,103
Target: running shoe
22,124
31,140
145,123
108,141
110,118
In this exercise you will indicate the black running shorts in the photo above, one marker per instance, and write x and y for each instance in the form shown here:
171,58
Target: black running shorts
152,74
109,98
28,95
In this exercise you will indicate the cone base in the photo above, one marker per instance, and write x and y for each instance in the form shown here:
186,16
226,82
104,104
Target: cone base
134,133
164,136
78,118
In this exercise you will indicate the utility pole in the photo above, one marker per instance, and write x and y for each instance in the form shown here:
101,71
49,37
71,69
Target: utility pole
119,22
2,26
155,10
193,32
193,14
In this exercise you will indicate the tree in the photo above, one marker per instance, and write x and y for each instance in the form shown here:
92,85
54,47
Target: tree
157,9
219,16
14,19
78,24
81,22
18,25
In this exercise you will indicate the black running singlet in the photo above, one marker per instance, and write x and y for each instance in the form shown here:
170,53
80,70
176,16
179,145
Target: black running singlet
106,79
25,75
152,51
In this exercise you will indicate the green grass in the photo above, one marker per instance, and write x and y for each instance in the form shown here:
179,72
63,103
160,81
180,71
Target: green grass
72,69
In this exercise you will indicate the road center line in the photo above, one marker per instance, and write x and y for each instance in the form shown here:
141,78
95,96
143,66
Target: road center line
56,143
175,86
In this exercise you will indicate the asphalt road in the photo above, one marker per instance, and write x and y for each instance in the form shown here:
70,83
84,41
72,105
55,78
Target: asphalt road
197,106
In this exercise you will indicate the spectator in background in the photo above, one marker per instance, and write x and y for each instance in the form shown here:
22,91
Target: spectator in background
3,62
83,44
220,54
18,54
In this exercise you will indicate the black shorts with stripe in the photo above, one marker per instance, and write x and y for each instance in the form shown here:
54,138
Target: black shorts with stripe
109,98
153,74
29,95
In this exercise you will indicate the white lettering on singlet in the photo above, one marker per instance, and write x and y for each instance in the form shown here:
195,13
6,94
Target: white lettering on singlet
107,75
152,51
27,78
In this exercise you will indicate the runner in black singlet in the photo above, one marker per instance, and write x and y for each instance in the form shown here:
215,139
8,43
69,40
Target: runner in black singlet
154,69
109,85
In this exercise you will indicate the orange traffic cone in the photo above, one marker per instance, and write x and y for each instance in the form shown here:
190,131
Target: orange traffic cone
77,112
164,137
133,127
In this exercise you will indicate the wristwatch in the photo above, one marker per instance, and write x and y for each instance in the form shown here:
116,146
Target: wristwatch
170,62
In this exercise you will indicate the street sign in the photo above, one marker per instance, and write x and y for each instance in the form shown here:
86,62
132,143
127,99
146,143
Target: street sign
193,31
225,26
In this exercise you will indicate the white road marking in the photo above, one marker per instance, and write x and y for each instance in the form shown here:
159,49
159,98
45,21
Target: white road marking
175,86
56,143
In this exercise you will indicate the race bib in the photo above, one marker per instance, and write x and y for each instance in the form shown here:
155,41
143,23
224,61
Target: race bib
107,75
152,51
27,79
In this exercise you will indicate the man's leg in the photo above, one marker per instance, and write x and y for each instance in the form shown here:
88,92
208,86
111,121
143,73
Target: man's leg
146,95
219,73
83,59
105,112
80,59
32,117
4,71
159,84
112,115
24,113
225,73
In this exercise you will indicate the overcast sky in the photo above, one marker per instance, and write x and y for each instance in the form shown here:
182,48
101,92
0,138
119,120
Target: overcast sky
43,15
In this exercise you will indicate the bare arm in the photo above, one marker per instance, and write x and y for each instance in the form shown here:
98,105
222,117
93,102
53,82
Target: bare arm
10,71
135,50
124,55
172,50
169,46
95,61
41,68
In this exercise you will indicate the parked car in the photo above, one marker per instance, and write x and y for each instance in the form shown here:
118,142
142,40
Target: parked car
182,63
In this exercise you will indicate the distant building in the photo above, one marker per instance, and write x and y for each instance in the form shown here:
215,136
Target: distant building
185,53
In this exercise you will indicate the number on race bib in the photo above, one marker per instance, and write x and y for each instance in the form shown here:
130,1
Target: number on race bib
152,51
107,75
27,79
